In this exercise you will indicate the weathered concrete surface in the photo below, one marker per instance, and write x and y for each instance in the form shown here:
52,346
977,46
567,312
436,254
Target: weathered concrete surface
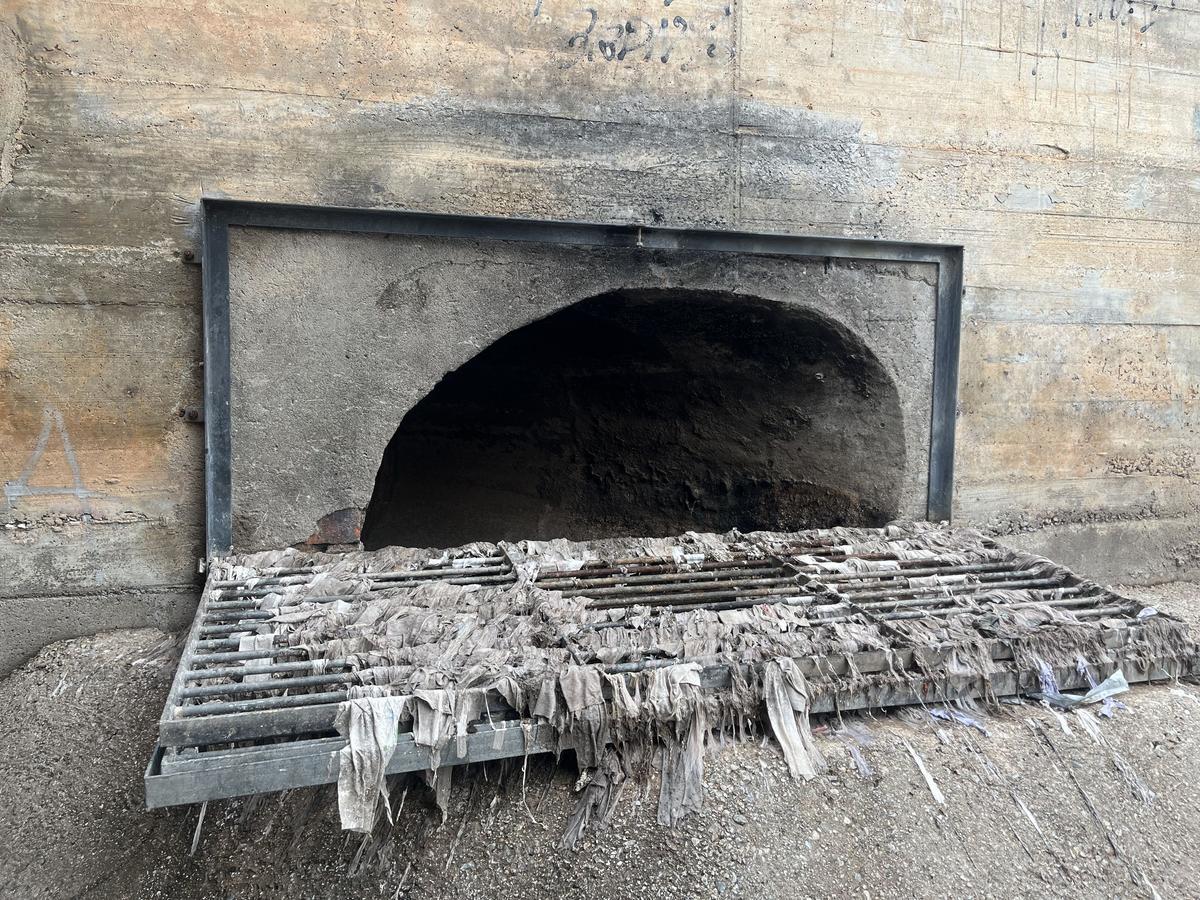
28,624
336,337
12,98
1141,551
1058,142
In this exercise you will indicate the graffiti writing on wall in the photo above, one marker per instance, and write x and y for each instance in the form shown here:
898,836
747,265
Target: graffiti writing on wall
52,421
662,30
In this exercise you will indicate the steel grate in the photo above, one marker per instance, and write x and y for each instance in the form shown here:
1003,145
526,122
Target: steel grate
250,710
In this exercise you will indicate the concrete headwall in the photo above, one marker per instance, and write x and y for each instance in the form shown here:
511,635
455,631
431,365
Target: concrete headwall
1059,142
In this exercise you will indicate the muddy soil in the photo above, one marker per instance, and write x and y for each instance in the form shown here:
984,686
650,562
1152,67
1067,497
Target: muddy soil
1034,807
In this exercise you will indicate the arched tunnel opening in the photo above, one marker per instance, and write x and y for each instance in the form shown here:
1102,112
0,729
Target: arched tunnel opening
647,413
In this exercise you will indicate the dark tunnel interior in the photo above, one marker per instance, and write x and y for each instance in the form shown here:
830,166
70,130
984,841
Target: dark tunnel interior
647,413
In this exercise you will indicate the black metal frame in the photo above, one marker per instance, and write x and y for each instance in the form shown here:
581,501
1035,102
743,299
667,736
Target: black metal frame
218,214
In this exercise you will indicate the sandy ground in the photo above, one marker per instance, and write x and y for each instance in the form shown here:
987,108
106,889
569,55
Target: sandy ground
1036,807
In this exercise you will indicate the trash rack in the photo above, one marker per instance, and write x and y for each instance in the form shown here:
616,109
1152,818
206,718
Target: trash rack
907,614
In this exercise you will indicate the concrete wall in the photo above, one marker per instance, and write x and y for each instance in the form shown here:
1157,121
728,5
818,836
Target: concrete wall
1058,141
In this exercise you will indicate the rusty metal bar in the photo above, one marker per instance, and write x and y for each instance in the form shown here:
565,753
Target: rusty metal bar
724,574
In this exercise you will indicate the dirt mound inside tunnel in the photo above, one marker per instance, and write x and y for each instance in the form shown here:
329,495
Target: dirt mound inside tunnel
80,724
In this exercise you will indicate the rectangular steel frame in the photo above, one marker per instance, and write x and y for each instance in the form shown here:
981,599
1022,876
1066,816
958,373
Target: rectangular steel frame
219,214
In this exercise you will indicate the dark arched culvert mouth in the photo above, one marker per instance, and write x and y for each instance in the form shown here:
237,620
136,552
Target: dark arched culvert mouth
647,413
